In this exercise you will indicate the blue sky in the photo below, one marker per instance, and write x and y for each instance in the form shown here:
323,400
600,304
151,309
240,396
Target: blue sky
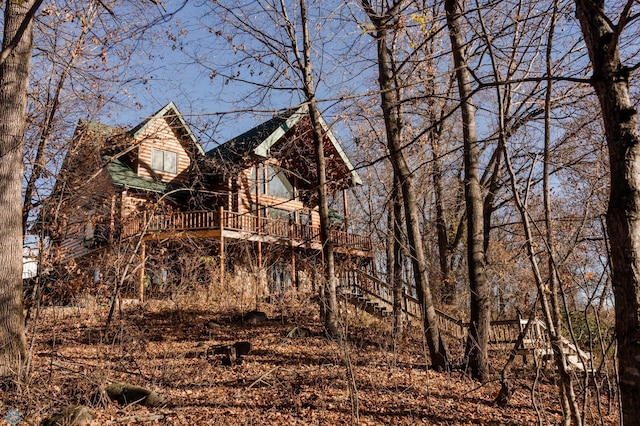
174,76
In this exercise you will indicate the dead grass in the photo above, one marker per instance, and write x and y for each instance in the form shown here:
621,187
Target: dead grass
285,381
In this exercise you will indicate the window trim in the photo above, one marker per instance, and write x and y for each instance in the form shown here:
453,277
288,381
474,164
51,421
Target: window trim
165,153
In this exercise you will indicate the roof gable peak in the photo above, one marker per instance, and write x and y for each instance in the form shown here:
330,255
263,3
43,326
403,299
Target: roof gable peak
169,111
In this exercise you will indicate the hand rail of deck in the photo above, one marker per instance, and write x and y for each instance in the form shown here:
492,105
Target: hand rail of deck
242,222
177,221
500,331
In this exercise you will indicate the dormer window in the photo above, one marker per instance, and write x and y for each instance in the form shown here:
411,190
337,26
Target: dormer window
164,161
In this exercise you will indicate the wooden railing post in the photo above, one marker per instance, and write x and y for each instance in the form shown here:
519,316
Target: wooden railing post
222,256
143,273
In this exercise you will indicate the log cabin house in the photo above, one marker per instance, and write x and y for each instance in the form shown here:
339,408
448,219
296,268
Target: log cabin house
249,206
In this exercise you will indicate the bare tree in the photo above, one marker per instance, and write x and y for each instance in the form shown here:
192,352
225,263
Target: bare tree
478,340
384,19
14,76
284,57
611,80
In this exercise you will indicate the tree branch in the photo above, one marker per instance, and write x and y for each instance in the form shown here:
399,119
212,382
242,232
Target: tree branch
23,27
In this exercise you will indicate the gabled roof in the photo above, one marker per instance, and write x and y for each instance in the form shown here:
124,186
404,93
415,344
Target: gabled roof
170,111
259,140
122,175
250,141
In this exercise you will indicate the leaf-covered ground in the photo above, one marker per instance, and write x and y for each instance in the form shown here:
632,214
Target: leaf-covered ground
284,381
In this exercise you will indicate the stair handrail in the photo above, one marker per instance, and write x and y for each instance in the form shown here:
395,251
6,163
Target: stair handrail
568,347
448,323
353,278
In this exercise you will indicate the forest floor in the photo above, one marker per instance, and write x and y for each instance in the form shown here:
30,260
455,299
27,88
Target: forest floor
365,380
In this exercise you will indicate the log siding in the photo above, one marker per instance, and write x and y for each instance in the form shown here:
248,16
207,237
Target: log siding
159,135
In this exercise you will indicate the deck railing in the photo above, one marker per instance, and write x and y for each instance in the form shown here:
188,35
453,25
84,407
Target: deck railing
356,281
241,222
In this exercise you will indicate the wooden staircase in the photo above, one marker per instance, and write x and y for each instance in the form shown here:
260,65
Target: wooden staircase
376,297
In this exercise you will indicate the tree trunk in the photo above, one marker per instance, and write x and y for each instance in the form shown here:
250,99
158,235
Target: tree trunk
398,294
330,299
14,77
480,316
392,114
447,286
611,83
330,292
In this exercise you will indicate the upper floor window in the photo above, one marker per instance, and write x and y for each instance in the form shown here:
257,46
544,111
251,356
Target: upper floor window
279,214
304,218
279,184
256,179
164,161
271,180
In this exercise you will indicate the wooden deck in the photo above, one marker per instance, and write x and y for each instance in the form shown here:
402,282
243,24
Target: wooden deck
227,224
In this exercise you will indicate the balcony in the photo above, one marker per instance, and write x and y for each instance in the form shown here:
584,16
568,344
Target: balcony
227,224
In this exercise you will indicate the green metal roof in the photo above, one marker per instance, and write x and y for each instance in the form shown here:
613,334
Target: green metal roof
122,175
251,140
261,138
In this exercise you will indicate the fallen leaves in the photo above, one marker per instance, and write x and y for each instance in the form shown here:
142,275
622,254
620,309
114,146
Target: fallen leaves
300,380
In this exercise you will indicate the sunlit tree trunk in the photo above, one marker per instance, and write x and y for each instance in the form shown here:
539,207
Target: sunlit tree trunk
330,293
14,76
392,115
480,315
611,83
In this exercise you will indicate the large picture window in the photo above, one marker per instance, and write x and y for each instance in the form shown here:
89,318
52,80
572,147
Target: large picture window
279,184
256,179
164,161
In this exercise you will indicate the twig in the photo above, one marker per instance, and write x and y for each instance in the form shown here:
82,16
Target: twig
259,379
136,419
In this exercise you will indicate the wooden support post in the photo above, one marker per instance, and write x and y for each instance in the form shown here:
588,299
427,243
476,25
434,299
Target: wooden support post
112,220
294,284
345,210
143,273
259,289
222,256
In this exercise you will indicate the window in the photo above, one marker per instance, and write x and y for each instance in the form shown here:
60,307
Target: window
279,184
271,180
279,214
164,161
304,218
256,179
254,210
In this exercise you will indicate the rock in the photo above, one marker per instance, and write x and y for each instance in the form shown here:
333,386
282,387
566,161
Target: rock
254,317
71,416
125,394
230,358
242,348
212,324
299,332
